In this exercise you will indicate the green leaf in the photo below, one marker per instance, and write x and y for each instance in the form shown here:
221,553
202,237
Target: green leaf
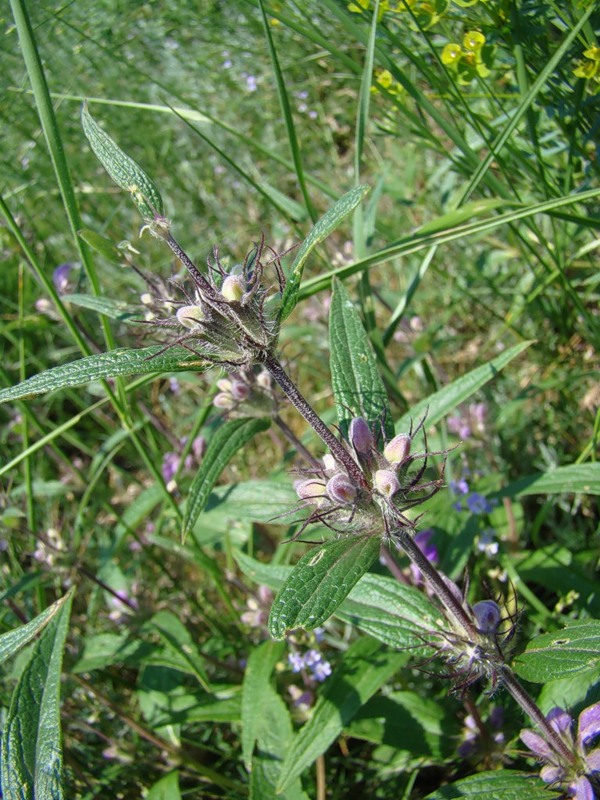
419,729
324,226
31,739
177,636
122,169
274,739
255,688
320,582
356,383
438,405
365,667
122,361
398,615
465,213
395,614
573,478
501,784
166,788
13,641
576,648
229,438
115,309
101,244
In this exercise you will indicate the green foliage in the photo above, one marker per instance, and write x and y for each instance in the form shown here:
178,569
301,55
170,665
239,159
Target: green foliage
462,291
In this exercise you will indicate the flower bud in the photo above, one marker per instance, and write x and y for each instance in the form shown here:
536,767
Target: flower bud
263,379
190,316
386,482
309,489
224,384
329,463
341,489
224,401
360,436
240,390
397,450
233,288
487,615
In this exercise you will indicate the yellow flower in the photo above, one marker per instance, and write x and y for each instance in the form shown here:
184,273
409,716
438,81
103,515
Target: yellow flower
473,41
590,68
451,54
384,78
359,6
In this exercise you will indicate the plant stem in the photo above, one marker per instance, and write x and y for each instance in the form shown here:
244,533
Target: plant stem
518,693
296,443
302,405
403,538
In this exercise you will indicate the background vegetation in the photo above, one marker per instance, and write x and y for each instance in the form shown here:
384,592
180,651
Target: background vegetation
464,118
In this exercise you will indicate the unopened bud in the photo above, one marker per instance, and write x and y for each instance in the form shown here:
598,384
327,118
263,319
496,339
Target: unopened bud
233,288
224,401
329,463
487,615
386,482
146,299
309,489
224,384
397,451
263,379
341,489
190,316
360,436
240,390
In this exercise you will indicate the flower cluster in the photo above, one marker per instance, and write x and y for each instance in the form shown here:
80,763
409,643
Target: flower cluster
383,79
171,464
469,422
474,58
247,393
318,667
589,69
483,740
423,13
579,776
377,482
230,316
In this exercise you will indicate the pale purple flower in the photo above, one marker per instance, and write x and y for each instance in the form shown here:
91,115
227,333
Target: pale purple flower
478,504
321,671
313,114
488,544
312,657
170,465
61,277
579,778
459,487
251,83
296,661
460,426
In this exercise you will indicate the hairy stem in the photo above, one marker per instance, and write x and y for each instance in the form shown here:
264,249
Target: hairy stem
518,693
302,405
404,539
296,443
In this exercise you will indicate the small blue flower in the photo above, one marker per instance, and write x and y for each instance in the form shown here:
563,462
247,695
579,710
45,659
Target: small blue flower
321,670
312,658
459,487
297,662
478,504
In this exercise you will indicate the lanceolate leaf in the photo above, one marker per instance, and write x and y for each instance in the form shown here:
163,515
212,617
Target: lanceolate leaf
122,169
552,656
31,740
438,405
122,361
320,582
356,383
13,641
326,225
398,615
256,687
223,446
115,309
365,668
574,478
501,784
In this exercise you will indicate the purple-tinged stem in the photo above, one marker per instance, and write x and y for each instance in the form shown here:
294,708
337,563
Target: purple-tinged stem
337,449
509,680
435,580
